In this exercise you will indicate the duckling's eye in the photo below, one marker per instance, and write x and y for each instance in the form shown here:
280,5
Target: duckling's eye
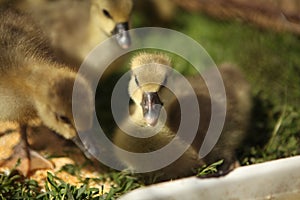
136,80
106,13
63,119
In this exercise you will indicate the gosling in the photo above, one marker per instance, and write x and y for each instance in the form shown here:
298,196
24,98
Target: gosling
33,85
150,96
76,27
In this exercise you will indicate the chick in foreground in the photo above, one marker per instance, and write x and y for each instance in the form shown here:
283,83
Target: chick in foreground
150,96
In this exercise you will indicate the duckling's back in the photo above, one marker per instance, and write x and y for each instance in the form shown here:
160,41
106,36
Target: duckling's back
23,50
21,42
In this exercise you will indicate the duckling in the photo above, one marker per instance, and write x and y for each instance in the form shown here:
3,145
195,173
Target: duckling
150,96
33,85
76,27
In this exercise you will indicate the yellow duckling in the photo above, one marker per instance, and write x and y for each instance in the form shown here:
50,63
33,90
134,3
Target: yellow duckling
34,85
150,96
76,27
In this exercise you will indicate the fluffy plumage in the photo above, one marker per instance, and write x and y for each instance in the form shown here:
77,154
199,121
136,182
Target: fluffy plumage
75,27
236,122
33,85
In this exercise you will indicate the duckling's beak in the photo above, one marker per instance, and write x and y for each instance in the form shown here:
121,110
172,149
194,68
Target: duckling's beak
151,105
122,35
81,146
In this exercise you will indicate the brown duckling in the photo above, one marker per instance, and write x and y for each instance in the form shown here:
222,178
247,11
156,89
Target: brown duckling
150,96
33,85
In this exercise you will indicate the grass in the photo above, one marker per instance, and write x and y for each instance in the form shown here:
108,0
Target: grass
209,170
271,63
15,186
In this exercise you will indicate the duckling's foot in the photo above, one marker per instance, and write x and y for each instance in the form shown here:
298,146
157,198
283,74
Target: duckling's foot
23,158
224,170
34,160
227,167
18,159
38,162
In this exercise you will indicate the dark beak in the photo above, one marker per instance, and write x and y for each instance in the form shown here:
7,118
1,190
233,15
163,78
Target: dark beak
81,146
151,106
122,35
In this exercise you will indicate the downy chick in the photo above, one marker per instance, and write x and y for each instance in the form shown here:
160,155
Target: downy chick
75,27
149,98
33,85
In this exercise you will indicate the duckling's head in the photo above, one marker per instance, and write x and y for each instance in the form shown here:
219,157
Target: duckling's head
114,18
55,108
150,71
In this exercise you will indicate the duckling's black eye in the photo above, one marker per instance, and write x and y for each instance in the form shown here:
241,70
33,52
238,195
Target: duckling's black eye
136,80
63,119
106,13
